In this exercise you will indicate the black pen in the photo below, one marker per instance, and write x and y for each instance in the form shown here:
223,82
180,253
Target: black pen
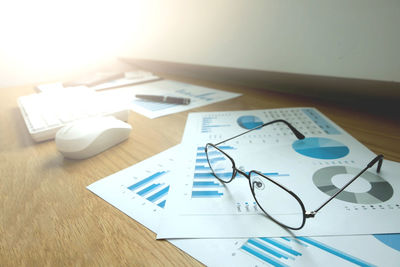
165,99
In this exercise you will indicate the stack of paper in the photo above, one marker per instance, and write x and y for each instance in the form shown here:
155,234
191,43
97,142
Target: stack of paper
221,225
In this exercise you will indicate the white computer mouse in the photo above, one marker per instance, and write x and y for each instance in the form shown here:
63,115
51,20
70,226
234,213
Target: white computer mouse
88,137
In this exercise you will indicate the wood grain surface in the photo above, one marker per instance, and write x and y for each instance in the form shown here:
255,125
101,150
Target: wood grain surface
49,218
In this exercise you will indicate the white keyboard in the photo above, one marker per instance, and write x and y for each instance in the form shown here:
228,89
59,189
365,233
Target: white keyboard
46,113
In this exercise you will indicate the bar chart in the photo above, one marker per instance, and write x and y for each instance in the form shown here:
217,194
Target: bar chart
206,186
285,251
208,124
206,96
152,191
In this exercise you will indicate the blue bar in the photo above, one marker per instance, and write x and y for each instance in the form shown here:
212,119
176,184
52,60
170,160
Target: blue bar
272,174
229,174
206,184
206,194
226,147
145,181
267,249
202,168
263,257
281,246
203,96
148,189
202,148
209,175
297,241
201,161
210,153
201,154
203,175
159,194
334,251
206,128
269,173
162,204
212,160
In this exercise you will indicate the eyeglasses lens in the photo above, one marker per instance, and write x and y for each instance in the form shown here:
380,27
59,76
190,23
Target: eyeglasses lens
221,165
275,201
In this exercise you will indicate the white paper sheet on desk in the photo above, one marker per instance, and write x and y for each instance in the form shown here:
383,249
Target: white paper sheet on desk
330,157
200,96
126,190
132,77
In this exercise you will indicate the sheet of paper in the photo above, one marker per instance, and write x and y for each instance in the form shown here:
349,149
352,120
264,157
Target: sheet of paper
142,190
200,96
132,77
314,169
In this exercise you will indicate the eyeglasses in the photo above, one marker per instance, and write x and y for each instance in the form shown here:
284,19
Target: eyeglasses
280,204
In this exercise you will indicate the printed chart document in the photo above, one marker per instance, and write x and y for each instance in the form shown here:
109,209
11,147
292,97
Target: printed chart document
142,192
313,168
199,96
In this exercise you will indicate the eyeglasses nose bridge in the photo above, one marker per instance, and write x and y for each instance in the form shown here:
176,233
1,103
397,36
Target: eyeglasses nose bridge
235,171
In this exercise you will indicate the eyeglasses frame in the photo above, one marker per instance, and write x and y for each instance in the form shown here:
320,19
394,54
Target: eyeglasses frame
300,136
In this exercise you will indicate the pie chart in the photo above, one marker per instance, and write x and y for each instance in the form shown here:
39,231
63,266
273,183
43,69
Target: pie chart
320,148
249,122
380,190
391,240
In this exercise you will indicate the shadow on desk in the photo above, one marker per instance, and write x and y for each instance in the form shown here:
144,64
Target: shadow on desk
376,97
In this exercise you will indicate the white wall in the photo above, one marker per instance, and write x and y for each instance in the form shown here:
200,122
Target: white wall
343,38
44,40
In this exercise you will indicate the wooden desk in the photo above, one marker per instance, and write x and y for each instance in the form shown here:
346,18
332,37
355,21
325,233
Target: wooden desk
48,217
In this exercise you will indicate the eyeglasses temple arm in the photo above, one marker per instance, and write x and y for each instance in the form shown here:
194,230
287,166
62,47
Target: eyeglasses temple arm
378,159
294,130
